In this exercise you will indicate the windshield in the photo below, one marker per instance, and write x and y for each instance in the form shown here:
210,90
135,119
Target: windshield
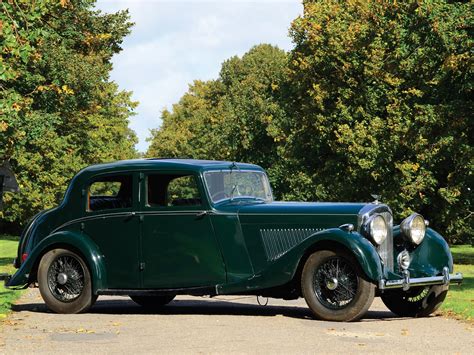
233,184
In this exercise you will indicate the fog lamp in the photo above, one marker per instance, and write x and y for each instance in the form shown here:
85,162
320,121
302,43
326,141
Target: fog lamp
403,260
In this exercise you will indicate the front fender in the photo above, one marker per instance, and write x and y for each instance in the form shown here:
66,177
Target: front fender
80,242
430,257
357,245
284,268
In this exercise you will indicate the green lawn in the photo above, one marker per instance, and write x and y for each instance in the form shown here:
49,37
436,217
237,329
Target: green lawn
460,300
8,247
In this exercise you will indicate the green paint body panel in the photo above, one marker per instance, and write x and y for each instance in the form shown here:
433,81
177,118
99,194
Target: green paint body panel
232,247
77,242
428,258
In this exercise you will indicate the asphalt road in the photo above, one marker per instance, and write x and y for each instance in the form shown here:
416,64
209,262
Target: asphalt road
223,325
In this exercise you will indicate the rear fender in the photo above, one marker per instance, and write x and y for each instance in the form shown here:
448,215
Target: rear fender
67,240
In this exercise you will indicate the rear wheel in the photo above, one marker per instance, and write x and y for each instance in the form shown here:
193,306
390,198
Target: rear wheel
334,286
152,302
416,302
65,282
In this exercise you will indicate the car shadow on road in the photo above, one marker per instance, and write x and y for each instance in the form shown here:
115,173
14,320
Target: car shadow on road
203,307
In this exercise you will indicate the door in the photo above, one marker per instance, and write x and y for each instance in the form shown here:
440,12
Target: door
111,223
179,248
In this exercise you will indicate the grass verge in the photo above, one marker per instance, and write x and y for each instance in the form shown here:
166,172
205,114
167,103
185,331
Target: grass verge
8,248
460,300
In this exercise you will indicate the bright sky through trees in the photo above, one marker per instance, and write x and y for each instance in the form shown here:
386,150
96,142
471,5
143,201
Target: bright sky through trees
174,43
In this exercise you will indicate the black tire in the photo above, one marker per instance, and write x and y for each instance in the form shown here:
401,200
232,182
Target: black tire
416,302
65,282
152,302
335,287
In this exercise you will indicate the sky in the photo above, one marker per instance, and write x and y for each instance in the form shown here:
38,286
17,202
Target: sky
176,42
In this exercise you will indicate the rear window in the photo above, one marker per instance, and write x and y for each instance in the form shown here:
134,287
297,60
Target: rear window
110,192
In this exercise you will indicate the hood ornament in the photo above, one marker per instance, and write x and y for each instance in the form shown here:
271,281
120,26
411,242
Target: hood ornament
376,198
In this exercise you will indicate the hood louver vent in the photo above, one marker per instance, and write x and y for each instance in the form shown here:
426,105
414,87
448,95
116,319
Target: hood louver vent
279,241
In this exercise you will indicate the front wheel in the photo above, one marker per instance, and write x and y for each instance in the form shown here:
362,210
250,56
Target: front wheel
416,302
65,282
334,286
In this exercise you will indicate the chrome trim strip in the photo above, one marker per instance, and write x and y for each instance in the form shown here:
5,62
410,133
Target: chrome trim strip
126,214
407,282
296,214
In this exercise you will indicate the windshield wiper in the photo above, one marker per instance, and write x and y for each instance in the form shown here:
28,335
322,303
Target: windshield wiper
234,187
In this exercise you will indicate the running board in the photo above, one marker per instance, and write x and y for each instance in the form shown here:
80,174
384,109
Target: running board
193,291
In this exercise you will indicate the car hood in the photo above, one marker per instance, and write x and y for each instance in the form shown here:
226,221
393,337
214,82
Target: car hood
302,208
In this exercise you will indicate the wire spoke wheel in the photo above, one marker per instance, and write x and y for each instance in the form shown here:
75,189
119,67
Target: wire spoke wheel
65,282
66,278
335,283
335,287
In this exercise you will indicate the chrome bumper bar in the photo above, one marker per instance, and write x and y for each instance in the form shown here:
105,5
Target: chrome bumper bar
407,282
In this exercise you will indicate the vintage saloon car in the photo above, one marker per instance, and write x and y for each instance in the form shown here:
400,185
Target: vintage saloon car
155,228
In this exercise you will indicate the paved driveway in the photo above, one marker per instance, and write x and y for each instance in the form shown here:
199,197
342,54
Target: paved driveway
223,325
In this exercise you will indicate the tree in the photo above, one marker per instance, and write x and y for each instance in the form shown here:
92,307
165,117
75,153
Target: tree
232,118
375,97
60,111
382,96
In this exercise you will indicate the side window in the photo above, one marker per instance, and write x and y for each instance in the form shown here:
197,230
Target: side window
172,190
110,192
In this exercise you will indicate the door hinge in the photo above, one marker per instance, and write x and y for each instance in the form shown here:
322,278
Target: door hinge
142,266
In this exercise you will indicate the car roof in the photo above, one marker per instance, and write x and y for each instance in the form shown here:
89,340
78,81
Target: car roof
192,165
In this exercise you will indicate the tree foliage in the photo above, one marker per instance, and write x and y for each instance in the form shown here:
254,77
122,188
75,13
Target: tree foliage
59,109
375,97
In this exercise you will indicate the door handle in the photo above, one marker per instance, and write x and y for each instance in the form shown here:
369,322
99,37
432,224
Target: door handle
202,214
130,215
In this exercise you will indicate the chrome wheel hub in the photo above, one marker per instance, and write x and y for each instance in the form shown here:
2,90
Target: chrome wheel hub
62,278
331,283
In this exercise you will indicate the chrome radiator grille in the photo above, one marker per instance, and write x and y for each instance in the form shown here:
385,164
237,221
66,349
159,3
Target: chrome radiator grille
278,241
385,250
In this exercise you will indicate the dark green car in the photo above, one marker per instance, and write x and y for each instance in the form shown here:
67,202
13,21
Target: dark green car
155,228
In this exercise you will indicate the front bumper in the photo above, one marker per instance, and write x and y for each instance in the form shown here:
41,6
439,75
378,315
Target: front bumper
407,282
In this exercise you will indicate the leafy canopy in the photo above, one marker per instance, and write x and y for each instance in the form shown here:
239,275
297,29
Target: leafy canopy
59,109
375,97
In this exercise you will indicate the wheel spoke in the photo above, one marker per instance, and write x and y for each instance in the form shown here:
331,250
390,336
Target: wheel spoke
335,283
66,278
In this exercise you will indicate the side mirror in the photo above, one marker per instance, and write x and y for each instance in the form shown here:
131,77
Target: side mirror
7,181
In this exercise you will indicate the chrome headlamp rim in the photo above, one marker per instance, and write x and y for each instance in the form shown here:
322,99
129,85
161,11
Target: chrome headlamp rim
378,237
415,236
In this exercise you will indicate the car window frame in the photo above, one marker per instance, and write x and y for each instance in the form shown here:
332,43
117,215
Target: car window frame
144,192
98,177
208,193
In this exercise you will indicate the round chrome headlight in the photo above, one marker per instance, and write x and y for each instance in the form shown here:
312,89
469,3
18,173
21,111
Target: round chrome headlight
377,229
414,228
